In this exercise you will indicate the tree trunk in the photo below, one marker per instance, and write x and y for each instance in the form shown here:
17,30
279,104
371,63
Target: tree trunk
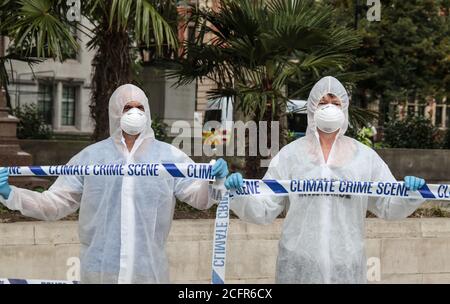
281,116
253,167
112,68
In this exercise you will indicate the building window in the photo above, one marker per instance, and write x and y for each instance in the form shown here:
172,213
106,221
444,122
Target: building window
411,110
422,109
447,117
439,116
68,106
45,102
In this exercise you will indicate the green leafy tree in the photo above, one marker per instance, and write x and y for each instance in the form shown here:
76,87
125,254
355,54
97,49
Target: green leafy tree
406,54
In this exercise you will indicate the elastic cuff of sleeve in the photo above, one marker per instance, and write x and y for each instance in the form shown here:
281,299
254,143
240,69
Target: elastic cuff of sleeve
9,203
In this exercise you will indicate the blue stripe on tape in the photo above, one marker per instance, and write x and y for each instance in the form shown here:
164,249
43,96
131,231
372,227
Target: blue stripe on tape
173,170
37,170
17,281
426,192
216,279
275,186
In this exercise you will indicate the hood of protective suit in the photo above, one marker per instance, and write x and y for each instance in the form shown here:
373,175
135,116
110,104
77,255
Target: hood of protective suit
325,86
121,96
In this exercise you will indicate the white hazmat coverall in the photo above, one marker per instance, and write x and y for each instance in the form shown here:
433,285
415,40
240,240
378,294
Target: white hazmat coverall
124,221
322,238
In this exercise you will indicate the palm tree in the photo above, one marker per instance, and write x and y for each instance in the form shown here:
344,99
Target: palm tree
119,27
34,34
265,52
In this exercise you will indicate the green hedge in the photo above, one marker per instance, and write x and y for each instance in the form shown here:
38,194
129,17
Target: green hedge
412,132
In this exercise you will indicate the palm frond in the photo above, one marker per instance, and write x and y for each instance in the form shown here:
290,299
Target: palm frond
39,25
147,22
359,117
264,46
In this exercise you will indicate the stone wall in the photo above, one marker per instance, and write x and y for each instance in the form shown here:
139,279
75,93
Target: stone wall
408,251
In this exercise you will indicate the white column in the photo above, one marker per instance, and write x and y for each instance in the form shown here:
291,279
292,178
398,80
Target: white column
444,115
57,101
79,98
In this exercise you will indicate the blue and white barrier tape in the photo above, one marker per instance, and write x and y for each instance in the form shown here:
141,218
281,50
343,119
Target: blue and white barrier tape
23,281
221,225
203,171
185,170
251,187
255,187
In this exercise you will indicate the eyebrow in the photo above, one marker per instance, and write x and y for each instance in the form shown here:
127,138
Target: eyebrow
337,100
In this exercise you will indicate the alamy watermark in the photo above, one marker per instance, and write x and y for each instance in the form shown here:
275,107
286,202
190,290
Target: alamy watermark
74,11
73,271
229,139
374,10
373,269
232,138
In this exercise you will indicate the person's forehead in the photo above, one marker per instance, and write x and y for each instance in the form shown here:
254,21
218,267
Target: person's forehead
330,96
134,104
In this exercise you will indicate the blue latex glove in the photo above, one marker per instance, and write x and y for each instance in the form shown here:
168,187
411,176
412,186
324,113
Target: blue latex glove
5,189
220,169
414,183
234,181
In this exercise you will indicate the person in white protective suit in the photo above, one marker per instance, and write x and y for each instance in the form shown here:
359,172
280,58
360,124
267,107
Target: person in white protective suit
323,235
123,221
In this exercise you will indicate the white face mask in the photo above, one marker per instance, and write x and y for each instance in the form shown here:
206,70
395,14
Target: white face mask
329,118
133,121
